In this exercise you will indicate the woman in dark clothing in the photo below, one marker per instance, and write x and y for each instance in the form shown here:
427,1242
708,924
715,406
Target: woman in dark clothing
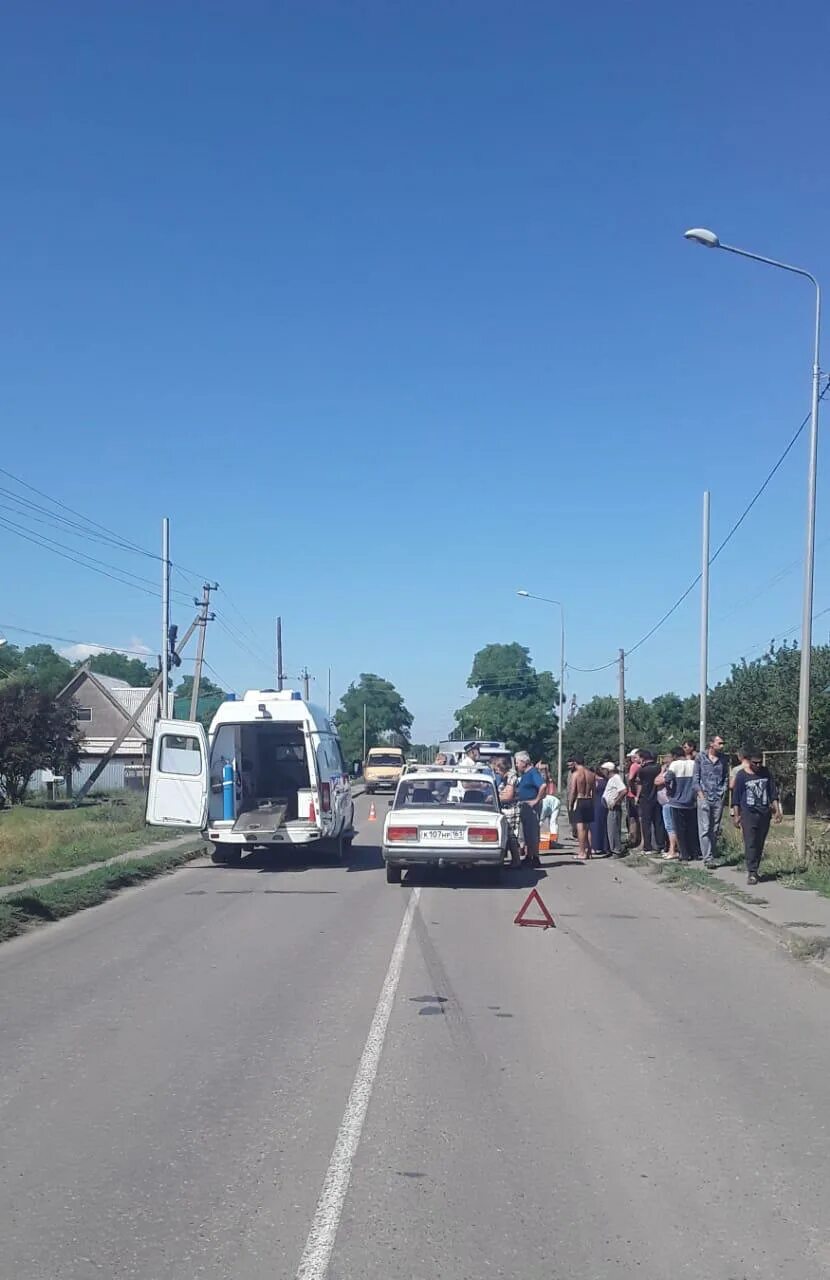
599,826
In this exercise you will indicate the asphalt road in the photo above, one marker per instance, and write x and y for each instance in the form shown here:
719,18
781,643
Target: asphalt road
197,1080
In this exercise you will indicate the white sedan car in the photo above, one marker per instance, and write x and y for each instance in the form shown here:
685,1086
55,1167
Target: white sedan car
444,817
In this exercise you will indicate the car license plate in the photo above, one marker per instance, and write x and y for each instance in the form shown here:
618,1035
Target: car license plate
438,835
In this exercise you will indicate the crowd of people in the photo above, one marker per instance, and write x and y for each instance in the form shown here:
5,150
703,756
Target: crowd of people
673,806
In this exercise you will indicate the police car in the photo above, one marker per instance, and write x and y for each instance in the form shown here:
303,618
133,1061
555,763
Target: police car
444,816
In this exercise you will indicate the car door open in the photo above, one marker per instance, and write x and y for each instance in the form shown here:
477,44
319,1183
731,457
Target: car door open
177,793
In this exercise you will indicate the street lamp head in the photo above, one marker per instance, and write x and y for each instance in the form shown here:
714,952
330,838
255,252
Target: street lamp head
701,236
526,594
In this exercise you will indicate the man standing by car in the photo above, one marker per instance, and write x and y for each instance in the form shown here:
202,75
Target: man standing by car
529,790
711,779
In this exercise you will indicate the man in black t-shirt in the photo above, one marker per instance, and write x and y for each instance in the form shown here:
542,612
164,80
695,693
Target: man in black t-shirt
651,815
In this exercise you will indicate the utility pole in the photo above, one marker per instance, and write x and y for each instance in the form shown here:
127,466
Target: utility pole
306,678
704,624
329,702
280,672
165,617
364,731
621,712
152,692
204,619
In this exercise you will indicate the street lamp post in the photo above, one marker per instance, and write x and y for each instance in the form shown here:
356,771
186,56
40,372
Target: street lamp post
528,595
708,238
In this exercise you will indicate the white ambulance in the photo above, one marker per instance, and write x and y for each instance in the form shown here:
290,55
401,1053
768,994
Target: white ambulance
269,773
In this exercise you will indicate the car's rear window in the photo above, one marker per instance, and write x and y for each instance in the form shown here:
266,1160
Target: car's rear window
446,793
384,758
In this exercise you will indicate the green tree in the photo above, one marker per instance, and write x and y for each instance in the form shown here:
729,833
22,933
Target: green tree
121,667
514,702
35,733
11,659
657,725
43,667
387,718
758,705
210,698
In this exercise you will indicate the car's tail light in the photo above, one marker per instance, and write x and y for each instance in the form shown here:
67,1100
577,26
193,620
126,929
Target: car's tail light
312,812
325,797
394,834
482,835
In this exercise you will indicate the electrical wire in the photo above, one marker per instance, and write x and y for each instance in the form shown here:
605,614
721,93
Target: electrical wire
117,574
734,529
94,523
35,539
225,684
44,635
765,643
89,528
242,643
248,627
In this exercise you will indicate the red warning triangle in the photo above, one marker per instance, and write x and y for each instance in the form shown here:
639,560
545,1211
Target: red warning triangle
533,899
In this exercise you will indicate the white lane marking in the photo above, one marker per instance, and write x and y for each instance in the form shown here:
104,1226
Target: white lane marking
318,1249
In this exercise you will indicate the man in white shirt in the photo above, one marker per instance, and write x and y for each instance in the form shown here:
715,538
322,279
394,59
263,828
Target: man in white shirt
613,797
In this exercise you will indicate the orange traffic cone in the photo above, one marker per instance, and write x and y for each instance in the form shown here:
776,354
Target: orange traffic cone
373,817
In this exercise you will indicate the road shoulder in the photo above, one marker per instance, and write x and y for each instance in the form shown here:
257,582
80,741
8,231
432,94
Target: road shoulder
797,919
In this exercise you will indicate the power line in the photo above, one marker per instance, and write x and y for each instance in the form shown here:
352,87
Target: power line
242,643
88,527
224,683
781,636
44,635
735,527
86,561
94,523
35,539
249,628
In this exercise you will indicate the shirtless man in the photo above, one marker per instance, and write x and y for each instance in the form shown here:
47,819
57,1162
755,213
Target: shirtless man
581,785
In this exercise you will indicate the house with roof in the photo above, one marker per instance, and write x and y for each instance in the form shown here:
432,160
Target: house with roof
105,707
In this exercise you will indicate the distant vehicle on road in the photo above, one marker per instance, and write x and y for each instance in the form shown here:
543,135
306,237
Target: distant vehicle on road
488,750
383,768
444,816
269,773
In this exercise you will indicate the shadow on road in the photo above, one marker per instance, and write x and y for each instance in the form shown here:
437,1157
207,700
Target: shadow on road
359,857
446,878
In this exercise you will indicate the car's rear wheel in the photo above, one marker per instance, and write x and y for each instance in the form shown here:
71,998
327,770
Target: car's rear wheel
393,874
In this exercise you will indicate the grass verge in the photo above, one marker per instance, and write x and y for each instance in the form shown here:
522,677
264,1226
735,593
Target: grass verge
36,840
781,861
691,876
22,911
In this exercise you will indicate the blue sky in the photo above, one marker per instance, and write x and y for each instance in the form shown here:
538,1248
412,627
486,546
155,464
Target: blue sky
321,281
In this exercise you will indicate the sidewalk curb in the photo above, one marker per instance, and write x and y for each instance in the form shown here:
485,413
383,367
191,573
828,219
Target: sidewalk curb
179,844
744,912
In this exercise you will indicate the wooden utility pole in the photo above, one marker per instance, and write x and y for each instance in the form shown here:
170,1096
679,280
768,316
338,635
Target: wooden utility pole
280,671
204,619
